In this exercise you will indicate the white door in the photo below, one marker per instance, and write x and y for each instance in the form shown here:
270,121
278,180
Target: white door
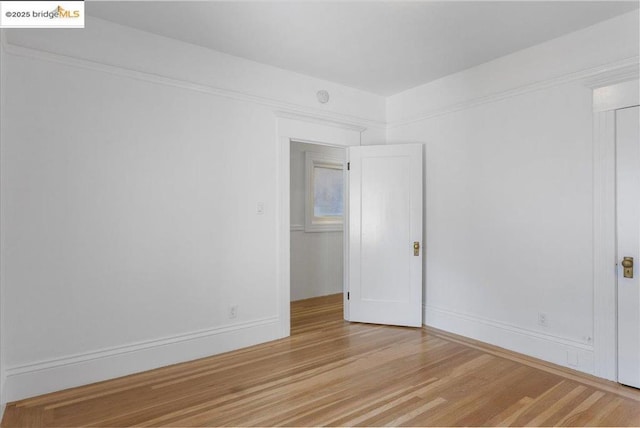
628,213
385,223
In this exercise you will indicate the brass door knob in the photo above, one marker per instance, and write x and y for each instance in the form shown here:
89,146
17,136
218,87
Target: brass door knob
627,265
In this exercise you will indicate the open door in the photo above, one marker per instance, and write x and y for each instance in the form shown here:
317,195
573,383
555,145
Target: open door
628,224
385,234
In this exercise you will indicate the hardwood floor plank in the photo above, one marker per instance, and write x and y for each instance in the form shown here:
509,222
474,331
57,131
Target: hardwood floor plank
409,418
622,415
334,373
506,416
581,408
541,419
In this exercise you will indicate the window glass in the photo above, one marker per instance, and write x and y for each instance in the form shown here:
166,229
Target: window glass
327,198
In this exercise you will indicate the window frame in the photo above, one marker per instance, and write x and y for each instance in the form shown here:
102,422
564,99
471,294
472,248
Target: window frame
313,223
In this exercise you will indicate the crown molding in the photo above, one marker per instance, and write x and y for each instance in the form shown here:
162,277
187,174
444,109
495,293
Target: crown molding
283,108
602,75
614,75
595,77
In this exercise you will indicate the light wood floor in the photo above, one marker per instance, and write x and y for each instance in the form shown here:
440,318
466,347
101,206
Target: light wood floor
330,372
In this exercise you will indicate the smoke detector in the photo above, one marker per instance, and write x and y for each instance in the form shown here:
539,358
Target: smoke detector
323,96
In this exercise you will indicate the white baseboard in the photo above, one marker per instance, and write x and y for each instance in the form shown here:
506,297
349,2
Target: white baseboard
54,375
543,346
3,397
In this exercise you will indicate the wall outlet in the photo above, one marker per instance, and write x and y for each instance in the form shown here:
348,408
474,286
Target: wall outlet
542,319
572,358
233,311
260,208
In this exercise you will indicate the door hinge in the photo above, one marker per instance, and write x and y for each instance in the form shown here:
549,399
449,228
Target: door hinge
348,166
348,295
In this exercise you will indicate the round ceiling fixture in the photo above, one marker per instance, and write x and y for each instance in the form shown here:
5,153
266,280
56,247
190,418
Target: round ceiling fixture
323,96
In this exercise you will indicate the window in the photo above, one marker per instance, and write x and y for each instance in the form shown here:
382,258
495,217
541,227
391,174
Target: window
324,209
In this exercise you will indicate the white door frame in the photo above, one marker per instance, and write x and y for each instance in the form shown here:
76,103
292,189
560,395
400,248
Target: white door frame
606,100
304,129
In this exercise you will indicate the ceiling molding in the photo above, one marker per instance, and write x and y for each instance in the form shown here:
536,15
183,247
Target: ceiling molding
283,107
601,75
614,75
595,77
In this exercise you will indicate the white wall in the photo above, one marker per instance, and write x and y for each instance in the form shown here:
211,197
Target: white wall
316,257
129,194
509,188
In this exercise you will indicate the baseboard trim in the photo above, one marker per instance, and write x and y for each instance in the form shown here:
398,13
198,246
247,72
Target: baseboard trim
538,345
34,379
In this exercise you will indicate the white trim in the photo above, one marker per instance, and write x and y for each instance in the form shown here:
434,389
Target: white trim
619,70
70,371
285,108
346,265
539,345
283,232
616,96
320,120
614,75
605,101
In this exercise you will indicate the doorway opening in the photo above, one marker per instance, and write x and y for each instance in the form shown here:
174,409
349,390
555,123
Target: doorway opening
317,215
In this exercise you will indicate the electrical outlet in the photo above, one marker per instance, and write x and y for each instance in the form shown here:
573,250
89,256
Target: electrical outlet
542,319
260,208
233,311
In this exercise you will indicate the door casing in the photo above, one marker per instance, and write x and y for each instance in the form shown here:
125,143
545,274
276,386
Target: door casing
305,130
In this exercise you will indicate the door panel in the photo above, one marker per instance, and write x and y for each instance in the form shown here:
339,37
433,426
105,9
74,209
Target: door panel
628,213
385,219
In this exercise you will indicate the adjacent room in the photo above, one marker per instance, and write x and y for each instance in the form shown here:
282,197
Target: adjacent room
326,213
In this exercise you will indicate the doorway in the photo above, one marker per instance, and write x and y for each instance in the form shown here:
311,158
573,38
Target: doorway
401,167
317,208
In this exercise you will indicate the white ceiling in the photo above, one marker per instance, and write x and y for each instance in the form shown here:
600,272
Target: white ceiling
381,47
